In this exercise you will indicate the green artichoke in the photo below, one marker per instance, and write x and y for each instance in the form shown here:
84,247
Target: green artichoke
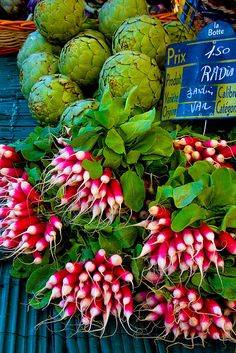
35,42
82,57
142,33
58,21
73,113
34,67
50,96
114,12
129,68
178,32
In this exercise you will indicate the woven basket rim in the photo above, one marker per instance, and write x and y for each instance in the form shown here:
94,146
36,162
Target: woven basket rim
166,16
17,25
30,25
13,33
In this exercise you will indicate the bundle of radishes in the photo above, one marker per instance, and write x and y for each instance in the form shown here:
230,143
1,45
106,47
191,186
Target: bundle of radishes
73,184
10,166
187,313
216,152
94,288
192,249
24,229
79,191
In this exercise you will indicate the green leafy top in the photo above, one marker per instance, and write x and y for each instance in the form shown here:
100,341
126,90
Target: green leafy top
200,192
39,143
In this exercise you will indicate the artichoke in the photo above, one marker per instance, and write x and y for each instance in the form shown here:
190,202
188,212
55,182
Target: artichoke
35,66
50,96
82,57
142,33
58,21
35,42
129,68
73,113
178,32
114,12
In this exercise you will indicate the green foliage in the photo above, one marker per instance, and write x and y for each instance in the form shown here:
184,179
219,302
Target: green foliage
93,167
120,134
183,195
133,190
22,267
187,216
134,144
115,142
37,144
200,193
222,283
137,264
39,277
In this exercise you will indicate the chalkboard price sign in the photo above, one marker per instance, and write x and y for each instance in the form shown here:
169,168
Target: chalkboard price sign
200,78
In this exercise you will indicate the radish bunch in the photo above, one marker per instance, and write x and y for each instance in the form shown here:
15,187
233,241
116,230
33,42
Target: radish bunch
188,314
215,152
93,289
227,240
191,249
8,166
24,231
80,192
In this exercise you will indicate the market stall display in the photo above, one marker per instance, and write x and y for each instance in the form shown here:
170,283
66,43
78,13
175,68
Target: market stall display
110,211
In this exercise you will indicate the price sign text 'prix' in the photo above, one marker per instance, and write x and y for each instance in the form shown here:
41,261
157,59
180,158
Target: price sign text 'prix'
200,79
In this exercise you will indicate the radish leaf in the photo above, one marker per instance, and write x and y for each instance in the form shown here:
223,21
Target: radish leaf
136,269
39,277
106,98
229,220
187,216
138,125
125,236
93,167
86,254
163,143
109,243
183,195
115,142
132,157
139,168
146,141
32,154
224,187
85,141
197,280
224,286
34,174
163,193
104,118
133,190
22,267
112,159
199,168
40,303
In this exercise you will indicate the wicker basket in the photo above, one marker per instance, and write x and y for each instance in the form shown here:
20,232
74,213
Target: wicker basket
13,34
166,16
